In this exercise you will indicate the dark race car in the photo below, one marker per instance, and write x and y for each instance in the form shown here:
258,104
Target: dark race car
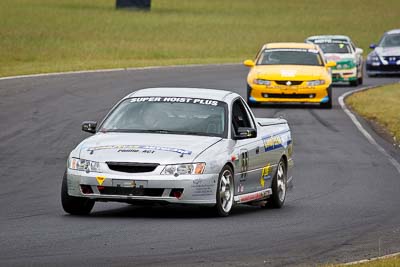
385,58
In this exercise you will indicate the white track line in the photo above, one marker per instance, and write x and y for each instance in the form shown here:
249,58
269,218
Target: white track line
112,70
370,139
373,259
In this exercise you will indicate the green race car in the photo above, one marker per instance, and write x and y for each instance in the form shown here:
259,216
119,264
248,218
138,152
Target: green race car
348,58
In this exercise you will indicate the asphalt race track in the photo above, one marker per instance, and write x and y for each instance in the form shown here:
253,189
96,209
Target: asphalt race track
345,204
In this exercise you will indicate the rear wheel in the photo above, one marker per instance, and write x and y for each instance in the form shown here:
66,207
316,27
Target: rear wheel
225,191
329,103
74,205
279,187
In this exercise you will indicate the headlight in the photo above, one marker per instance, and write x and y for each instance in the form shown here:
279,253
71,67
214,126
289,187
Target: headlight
262,82
316,82
189,168
83,165
346,64
373,57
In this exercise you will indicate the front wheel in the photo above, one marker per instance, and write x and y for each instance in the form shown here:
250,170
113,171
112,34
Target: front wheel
74,205
279,187
328,104
225,191
354,83
360,80
248,95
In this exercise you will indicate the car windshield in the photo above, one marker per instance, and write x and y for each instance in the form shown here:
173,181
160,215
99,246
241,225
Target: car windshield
390,40
290,57
168,115
335,48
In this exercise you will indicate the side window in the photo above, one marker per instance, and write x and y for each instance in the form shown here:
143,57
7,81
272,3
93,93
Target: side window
353,46
240,116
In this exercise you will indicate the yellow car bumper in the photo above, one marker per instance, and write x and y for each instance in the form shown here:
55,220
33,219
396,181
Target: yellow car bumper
288,94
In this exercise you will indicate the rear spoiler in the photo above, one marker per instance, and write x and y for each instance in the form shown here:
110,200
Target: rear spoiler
270,121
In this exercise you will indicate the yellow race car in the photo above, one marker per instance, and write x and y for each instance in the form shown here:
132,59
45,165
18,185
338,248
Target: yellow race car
289,73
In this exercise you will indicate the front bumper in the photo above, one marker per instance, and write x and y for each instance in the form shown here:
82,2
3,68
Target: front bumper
344,75
196,189
382,69
288,94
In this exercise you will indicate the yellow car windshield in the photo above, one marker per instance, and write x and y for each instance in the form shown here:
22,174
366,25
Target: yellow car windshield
290,56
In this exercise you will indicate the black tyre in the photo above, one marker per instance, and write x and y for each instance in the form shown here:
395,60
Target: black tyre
328,104
360,80
248,94
74,205
279,187
354,83
225,191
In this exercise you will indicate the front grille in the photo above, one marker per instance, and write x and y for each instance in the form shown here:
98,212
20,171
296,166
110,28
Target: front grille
289,95
290,83
384,67
391,58
126,191
132,167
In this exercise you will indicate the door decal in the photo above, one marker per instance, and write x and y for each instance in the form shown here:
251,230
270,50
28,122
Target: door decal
244,165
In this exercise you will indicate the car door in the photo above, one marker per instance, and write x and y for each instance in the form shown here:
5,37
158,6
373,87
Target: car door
359,58
249,164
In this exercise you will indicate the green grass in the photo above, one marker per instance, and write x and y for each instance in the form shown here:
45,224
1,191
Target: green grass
388,262
61,35
381,105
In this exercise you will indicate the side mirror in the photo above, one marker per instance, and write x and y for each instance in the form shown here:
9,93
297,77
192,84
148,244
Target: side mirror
372,46
249,63
244,133
359,51
89,126
330,64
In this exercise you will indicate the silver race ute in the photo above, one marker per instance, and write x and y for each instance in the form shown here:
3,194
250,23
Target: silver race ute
182,146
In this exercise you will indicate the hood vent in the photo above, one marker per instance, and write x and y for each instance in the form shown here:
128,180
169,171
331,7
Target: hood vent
132,167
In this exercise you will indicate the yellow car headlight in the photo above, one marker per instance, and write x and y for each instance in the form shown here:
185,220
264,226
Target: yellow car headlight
262,82
315,82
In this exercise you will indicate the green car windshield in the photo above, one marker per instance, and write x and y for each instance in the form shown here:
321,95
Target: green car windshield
335,48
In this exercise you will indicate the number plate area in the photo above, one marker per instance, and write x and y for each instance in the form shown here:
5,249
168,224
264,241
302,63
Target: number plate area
129,183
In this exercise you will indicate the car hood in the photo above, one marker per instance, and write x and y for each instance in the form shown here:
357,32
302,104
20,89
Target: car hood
146,148
388,51
339,57
289,72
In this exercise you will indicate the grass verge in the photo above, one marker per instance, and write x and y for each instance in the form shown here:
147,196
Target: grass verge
380,105
65,35
385,262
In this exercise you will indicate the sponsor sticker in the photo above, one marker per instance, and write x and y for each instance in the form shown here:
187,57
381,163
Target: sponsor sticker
253,196
199,101
240,188
141,148
288,73
100,179
265,174
273,142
